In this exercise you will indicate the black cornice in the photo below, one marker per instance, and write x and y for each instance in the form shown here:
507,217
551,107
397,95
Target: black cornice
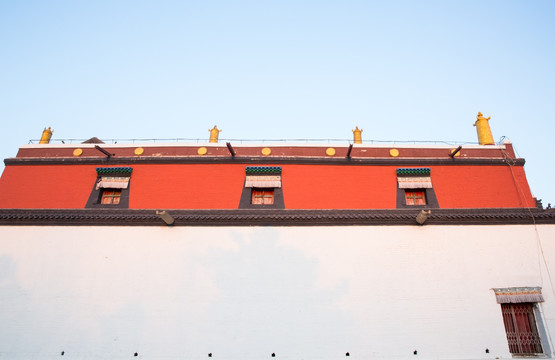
129,217
261,160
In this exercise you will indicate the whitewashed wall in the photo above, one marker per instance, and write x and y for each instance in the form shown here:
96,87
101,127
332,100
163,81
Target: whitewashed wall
244,293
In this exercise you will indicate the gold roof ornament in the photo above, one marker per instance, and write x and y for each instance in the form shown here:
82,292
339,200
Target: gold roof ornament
214,133
46,136
357,135
484,132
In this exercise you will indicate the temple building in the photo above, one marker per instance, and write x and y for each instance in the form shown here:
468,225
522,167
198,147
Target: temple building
289,251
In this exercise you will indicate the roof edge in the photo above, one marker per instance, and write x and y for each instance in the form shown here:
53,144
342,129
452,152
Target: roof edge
276,144
130,217
261,160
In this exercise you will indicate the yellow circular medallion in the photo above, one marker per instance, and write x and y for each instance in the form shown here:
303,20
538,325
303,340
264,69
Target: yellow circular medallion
330,151
202,150
266,151
77,152
139,151
394,152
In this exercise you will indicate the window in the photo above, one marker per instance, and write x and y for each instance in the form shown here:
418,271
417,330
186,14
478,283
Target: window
414,188
262,188
519,307
415,197
521,329
263,180
111,188
262,197
110,196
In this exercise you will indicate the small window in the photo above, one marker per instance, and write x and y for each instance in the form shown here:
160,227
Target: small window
415,197
521,329
262,188
262,197
414,188
111,188
110,196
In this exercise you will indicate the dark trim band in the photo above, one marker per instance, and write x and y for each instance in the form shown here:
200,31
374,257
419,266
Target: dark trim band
264,160
263,217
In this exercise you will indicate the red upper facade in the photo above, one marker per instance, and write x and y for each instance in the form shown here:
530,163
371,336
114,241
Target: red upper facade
215,176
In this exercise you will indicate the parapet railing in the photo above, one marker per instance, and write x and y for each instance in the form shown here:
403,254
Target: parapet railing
263,141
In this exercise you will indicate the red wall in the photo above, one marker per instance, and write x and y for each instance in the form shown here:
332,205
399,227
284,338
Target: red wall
186,186
339,187
46,186
219,186
481,186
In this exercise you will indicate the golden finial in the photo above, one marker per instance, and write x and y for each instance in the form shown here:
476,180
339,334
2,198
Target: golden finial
357,134
484,132
46,135
214,133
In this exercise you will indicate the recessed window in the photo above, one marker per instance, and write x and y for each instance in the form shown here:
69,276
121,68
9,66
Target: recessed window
110,196
415,197
262,197
111,188
262,188
522,319
414,188
521,329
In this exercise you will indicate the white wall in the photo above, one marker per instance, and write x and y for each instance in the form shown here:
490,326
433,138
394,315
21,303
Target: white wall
243,293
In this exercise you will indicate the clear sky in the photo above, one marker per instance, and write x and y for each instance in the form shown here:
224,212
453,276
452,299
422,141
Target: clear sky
400,70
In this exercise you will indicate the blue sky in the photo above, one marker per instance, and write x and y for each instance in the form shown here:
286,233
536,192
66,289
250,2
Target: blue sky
401,70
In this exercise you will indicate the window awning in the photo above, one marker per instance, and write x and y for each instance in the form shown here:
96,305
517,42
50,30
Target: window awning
114,171
112,182
413,172
263,170
263,181
518,295
414,178
414,182
263,176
